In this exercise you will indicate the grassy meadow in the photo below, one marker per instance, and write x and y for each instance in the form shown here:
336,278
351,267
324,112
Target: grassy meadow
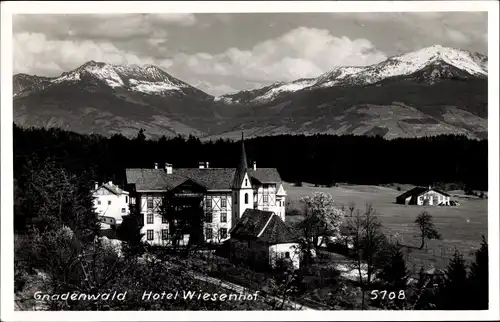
461,227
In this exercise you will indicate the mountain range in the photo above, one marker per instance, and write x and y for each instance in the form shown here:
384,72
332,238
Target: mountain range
435,90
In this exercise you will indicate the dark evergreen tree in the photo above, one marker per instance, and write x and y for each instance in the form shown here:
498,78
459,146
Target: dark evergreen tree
395,273
393,276
453,293
478,279
141,136
130,232
109,156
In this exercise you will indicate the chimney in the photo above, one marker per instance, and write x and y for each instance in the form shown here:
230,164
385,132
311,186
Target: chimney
110,183
96,186
168,168
156,165
207,164
201,165
254,165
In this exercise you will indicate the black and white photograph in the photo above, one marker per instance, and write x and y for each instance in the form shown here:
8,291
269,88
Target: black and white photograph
250,156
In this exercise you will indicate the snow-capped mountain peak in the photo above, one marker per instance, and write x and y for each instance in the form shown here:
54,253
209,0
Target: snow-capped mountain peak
464,60
147,79
434,63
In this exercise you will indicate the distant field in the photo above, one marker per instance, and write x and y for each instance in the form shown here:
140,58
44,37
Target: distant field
460,227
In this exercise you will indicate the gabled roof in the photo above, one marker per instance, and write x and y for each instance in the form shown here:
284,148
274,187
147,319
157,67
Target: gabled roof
417,191
113,189
210,178
159,179
263,226
265,175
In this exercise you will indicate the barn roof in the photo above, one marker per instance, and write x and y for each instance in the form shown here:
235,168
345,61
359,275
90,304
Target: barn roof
417,191
210,178
264,226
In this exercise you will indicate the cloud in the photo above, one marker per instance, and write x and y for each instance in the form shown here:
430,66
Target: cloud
34,53
300,53
219,53
100,26
446,28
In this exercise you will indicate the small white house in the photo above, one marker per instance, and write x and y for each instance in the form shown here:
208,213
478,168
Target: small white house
262,238
111,203
424,196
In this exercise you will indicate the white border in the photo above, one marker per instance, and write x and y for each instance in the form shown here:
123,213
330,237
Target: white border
9,8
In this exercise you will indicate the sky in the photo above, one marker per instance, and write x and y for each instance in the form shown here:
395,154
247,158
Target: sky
225,53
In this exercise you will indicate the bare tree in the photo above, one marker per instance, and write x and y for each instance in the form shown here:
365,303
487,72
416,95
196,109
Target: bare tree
427,229
352,206
368,245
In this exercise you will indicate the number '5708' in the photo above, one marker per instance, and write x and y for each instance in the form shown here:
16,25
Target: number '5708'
376,294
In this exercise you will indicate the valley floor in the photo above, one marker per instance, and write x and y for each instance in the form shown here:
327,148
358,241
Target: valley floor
461,227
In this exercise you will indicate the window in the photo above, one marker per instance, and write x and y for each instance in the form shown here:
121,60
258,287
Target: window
150,234
109,202
164,234
132,201
126,199
246,198
223,233
208,217
208,233
266,198
209,202
164,220
246,182
150,219
223,217
123,210
150,203
98,202
223,202
235,199
287,255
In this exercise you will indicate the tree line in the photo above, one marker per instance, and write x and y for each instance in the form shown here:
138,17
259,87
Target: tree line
319,159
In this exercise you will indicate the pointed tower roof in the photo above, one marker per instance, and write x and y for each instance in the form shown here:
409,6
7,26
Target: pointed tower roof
241,170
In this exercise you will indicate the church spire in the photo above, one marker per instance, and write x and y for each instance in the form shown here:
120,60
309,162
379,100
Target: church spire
242,166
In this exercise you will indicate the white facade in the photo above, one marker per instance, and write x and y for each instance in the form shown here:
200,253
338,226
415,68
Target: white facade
268,197
111,204
218,219
243,198
432,198
155,229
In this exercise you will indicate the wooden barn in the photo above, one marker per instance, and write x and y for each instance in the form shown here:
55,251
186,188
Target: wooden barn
423,196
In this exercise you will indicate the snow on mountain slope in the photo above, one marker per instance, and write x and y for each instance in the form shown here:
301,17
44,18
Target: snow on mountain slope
147,79
434,60
410,63
287,87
